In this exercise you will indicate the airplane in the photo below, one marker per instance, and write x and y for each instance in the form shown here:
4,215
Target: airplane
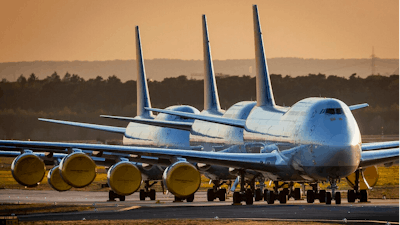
304,143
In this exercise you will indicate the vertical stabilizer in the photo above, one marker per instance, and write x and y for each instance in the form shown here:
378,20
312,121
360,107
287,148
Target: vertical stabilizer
211,99
143,98
265,95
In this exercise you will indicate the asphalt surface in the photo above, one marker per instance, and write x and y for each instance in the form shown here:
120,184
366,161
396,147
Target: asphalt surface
377,210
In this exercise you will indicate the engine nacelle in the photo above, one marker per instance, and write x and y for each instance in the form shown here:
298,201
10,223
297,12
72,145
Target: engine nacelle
28,169
124,178
182,179
55,180
78,169
370,174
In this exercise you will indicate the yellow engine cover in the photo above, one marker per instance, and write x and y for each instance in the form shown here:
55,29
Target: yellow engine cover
28,169
370,174
182,179
78,169
55,180
124,178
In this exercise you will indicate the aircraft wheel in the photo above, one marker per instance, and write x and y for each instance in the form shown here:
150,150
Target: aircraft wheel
152,194
321,196
142,195
351,196
270,197
297,194
258,195
221,194
236,197
364,196
338,198
122,198
111,196
190,198
328,198
249,197
282,197
210,195
310,196
177,199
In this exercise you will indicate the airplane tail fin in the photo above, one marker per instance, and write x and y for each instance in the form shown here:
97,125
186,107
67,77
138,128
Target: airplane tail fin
211,99
265,95
143,98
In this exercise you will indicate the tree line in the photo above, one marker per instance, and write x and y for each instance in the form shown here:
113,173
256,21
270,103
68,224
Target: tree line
71,97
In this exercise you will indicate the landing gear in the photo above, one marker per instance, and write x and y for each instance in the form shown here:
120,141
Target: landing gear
258,195
283,195
335,195
216,192
112,196
315,193
189,198
147,192
354,194
244,194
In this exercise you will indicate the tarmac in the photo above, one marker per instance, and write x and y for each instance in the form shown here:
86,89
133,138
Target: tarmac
374,211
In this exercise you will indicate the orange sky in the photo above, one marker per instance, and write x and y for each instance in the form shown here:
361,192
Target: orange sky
104,29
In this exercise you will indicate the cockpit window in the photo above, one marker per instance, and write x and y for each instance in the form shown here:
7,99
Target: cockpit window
332,111
339,111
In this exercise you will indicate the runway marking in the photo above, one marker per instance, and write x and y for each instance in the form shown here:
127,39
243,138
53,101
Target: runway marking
129,208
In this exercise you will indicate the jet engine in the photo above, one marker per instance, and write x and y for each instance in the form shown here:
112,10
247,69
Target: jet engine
124,178
78,169
370,174
55,180
28,169
182,179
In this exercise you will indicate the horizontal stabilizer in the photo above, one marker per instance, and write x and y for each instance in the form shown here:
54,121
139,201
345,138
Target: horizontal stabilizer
120,130
379,145
371,158
159,123
213,119
358,106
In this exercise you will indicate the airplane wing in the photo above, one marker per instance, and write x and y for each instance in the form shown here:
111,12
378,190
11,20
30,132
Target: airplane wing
379,145
160,123
220,120
120,130
259,162
272,162
376,157
358,106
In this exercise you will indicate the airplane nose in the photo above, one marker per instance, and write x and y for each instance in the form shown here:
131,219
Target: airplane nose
345,152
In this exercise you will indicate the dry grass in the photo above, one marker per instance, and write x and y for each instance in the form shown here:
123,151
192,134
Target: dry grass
23,209
176,222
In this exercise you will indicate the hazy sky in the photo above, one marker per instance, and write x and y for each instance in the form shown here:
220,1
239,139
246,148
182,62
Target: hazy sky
104,29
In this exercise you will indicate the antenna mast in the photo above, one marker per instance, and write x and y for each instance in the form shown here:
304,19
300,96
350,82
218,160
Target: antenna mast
373,57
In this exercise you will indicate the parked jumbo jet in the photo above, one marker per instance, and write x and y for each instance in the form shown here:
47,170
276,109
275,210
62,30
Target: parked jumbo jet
316,140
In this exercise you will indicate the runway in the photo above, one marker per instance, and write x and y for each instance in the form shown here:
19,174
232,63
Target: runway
163,208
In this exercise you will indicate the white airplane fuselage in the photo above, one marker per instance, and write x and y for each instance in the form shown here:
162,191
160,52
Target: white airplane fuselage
323,129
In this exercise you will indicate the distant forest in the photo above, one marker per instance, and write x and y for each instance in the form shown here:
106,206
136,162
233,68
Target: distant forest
70,97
